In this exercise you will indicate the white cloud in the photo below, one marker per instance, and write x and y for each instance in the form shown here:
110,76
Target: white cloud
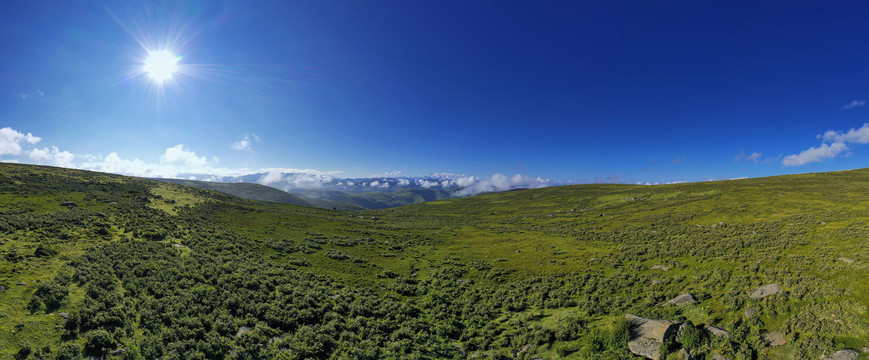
403,182
245,142
815,154
501,182
426,183
853,104
11,141
52,156
308,179
860,136
178,154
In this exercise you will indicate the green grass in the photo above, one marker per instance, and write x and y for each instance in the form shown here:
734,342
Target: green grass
490,274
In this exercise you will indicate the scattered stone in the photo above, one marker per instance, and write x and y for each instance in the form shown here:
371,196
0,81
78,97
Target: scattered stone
2,288
717,331
660,267
843,355
22,283
764,291
846,260
865,349
69,204
750,312
119,352
775,338
242,330
64,315
102,215
656,281
647,335
719,357
683,298
823,223
178,245
684,354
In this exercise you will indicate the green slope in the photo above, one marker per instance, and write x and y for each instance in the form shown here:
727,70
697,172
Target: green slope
261,192
167,271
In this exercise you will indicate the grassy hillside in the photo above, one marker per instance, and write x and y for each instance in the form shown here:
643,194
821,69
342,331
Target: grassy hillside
142,269
263,193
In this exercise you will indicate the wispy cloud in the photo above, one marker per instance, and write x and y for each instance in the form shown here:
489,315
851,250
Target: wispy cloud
679,159
245,142
833,144
27,95
815,154
753,157
853,104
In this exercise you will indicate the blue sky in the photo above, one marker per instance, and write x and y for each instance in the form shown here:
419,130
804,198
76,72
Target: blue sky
628,91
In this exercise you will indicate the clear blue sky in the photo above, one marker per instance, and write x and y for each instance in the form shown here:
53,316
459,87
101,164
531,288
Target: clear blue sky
571,90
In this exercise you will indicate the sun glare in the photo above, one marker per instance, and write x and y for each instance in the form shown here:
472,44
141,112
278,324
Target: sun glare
161,65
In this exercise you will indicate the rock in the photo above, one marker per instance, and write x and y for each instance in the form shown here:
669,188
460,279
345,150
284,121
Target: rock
846,260
119,352
68,204
843,355
684,298
178,245
717,331
764,291
656,281
3,288
647,335
64,315
660,267
775,338
242,330
684,354
865,349
22,283
750,312
718,357
102,215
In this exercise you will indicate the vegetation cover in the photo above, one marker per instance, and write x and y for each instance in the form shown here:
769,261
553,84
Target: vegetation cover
98,265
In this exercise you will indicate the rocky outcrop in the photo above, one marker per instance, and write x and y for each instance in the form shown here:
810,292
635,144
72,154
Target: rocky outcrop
684,298
750,312
717,331
775,338
764,291
647,335
843,355
846,260
660,267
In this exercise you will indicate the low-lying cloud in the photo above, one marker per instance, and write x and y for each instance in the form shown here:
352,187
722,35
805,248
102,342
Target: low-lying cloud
12,142
499,182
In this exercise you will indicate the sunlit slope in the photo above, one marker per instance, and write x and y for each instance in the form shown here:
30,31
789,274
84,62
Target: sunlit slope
167,271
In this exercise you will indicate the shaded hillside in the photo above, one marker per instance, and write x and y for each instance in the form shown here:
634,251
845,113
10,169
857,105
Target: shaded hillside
252,191
379,200
120,267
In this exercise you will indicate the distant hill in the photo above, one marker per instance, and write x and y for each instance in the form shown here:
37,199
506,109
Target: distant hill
261,192
376,199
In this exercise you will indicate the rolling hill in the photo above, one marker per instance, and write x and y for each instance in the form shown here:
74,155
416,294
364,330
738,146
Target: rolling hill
252,191
95,264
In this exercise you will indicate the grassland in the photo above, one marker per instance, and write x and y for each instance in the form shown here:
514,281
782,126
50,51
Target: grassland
154,270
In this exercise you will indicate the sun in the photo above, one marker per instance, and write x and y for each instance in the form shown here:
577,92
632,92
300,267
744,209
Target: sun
161,65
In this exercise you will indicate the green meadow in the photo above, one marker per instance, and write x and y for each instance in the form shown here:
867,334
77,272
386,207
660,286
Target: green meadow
139,269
